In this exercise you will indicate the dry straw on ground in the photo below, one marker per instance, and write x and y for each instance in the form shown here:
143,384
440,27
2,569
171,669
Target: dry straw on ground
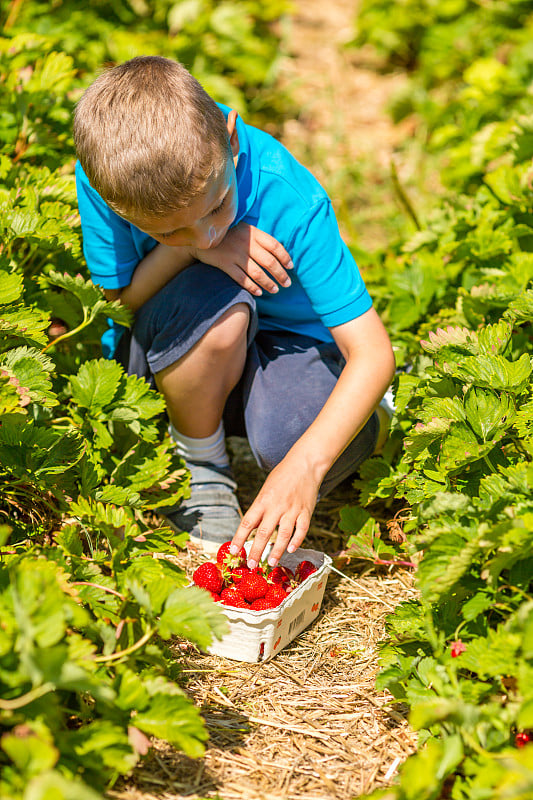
307,725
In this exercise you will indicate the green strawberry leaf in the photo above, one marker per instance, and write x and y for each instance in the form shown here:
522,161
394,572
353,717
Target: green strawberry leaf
96,384
10,287
174,719
461,338
493,372
191,613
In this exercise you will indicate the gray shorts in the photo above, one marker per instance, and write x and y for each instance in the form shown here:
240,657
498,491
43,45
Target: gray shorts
286,380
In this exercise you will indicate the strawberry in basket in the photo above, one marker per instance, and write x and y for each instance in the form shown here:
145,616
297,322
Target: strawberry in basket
232,583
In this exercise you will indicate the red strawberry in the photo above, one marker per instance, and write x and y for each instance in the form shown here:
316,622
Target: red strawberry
280,575
236,603
291,583
277,594
215,596
226,560
231,596
237,574
304,569
262,603
456,648
253,586
208,576
521,739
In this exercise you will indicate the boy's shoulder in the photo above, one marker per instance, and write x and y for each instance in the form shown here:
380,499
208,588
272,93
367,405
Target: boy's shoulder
278,170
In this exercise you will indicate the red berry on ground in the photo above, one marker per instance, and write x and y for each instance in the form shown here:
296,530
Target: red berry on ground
522,738
263,603
208,576
253,586
304,569
276,593
456,648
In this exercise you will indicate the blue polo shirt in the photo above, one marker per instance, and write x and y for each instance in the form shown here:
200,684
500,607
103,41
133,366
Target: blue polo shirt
279,196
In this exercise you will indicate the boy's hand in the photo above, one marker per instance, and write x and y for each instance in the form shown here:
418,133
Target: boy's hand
286,501
247,254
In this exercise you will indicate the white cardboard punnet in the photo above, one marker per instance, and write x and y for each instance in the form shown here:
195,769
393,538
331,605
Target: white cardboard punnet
258,635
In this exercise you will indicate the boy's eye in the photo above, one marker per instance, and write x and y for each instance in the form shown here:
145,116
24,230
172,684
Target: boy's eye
219,208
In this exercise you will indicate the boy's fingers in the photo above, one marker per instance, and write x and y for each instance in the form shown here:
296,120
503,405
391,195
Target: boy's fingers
259,276
243,531
250,276
240,277
270,262
266,251
258,255
285,531
273,246
255,519
300,531
271,266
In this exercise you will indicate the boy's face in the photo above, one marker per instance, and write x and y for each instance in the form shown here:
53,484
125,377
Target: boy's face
205,222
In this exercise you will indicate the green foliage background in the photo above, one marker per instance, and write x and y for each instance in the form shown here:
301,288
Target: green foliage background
89,593
85,607
457,298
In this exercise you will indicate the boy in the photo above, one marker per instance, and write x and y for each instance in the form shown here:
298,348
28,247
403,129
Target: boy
187,216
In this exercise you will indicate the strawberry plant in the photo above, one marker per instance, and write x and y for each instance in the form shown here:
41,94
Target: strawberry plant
89,592
472,66
231,47
458,299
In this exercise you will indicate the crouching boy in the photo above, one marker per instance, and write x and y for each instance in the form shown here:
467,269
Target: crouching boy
251,315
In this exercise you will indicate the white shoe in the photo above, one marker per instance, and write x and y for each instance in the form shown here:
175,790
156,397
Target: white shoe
385,412
387,402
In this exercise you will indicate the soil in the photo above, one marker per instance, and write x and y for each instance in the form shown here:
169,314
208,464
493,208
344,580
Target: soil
343,132
343,102
308,724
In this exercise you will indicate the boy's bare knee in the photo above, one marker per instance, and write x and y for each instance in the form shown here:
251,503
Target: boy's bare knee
229,330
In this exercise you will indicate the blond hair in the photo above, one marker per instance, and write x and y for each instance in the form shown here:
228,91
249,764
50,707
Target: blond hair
149,137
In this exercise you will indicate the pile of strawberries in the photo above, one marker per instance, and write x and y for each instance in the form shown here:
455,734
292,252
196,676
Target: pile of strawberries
230,582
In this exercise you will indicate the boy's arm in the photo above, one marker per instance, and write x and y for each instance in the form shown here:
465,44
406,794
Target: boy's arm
287,498
153,272
244,254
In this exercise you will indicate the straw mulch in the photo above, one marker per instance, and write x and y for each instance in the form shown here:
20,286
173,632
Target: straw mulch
307,725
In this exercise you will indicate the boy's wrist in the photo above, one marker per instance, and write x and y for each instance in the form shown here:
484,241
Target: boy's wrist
310,460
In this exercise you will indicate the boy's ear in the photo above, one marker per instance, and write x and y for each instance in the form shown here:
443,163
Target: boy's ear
231,125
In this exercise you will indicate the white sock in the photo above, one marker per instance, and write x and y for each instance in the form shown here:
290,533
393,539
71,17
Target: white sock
210,448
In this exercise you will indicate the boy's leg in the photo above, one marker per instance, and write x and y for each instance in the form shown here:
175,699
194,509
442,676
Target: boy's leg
194,334
288,379
197,385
